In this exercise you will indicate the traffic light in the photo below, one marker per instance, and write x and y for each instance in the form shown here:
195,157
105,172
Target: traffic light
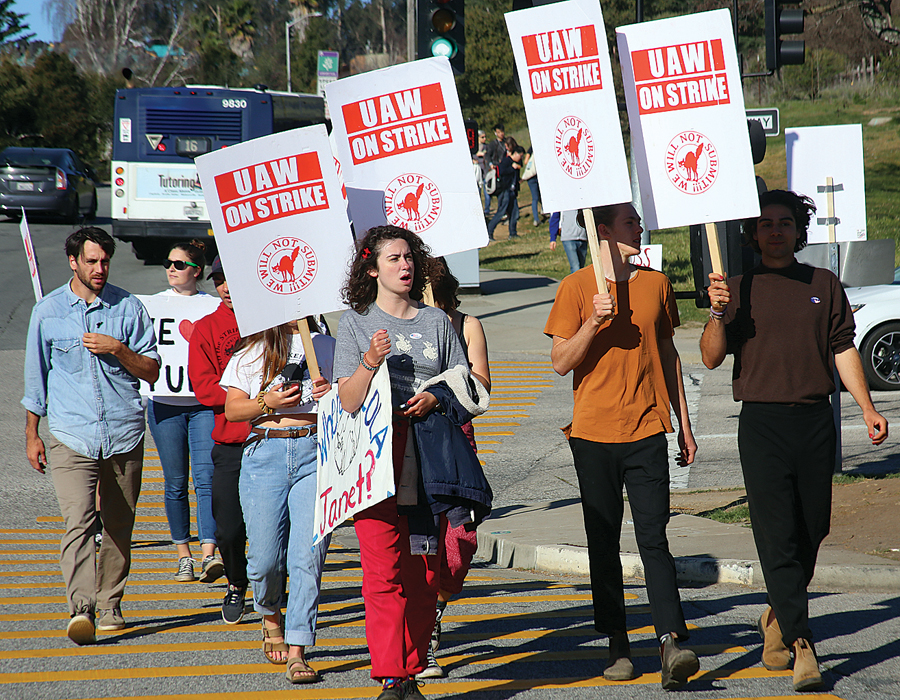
781,21
442,31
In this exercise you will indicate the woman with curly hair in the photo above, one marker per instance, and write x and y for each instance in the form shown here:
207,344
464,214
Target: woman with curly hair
399,548
269,384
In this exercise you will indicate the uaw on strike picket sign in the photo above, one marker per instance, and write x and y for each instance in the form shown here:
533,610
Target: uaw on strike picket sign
281,227
688,127
402,146
355,462
570,100
173,319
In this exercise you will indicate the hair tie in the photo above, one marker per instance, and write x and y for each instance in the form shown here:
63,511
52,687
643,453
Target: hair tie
366,253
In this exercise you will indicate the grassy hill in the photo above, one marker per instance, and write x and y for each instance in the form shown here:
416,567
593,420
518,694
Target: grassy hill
881,148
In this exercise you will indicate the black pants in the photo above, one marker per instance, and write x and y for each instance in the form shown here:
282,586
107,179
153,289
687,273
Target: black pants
643,468
231,534
787,456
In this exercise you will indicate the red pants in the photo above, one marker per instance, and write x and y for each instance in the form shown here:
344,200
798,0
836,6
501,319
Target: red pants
399,589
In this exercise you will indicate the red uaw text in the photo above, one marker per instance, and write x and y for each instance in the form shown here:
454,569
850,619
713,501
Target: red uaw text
562,62
399,122
683,76
271,190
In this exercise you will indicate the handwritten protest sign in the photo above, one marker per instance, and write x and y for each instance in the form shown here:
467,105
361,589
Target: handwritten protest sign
281,227
688,126
816,153
173,321
31,256
570,100
355,459
402,146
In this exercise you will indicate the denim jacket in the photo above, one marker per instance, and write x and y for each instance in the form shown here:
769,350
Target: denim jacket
91,401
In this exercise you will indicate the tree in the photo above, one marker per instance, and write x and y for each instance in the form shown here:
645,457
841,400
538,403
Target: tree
16,112
12,31
61,100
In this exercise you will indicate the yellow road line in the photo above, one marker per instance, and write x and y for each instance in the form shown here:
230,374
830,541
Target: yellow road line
497,424
479,432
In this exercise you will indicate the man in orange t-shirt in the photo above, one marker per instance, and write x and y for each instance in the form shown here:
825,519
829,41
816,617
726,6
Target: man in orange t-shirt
626,374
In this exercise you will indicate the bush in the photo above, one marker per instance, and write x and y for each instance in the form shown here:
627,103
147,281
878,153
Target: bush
820,71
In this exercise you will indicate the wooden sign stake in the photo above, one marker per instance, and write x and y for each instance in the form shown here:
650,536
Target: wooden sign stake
594,245
308,349
715,254
829,189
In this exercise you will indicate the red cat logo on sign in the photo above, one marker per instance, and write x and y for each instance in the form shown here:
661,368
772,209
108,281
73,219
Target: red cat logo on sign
412,202
287,265
692,162
574,147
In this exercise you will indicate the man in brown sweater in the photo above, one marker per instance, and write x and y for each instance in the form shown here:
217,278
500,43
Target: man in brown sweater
788,326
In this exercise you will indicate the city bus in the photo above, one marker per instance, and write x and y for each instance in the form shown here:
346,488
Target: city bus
157,132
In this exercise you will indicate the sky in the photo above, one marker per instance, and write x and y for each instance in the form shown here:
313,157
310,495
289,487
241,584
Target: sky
37,23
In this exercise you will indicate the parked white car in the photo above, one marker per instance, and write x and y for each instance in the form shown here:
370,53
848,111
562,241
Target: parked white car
876,310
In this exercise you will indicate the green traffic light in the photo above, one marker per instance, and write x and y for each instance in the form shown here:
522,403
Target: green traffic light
443,47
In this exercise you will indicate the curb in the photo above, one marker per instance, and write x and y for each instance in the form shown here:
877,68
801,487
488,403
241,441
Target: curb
565,559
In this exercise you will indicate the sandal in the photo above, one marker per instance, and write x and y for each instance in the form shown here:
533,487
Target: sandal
298,671
270,647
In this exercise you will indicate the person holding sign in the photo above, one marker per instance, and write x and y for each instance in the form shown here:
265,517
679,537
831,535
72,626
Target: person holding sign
182,428
460,544
269,384
388,323
626,374
789,326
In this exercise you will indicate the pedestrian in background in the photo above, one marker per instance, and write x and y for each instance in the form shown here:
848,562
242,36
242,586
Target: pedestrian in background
530,175
494,152
627,374
789,326
182,431
269,384
508,187
209,351
460,544
565,226
88,344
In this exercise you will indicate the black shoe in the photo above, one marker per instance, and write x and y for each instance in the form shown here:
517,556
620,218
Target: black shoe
233,604
395,691
677,664
411,690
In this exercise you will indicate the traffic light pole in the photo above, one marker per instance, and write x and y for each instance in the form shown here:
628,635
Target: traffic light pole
410,30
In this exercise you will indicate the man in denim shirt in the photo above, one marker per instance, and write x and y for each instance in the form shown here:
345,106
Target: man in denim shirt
88,344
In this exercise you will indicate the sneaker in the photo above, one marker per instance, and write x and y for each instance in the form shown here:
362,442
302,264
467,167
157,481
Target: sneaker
185,570
110,620
98,540
411,690
436,632
233,604
432,668
212,570
392,689
81,628
677,664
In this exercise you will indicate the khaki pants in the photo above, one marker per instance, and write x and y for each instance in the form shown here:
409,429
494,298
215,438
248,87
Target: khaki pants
92,582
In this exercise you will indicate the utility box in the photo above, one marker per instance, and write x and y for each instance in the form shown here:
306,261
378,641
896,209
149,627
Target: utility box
860,263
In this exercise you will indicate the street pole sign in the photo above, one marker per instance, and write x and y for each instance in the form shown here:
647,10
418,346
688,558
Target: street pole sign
768,119
326,72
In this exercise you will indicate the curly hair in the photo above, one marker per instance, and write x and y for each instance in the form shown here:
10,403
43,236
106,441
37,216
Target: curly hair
444,286
361,288
802,208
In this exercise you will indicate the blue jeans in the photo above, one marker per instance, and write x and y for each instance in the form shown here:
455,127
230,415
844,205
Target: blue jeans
507,203
178,430
278,497
576,252
486,197
535,197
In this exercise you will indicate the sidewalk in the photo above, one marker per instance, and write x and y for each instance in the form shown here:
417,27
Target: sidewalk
550,536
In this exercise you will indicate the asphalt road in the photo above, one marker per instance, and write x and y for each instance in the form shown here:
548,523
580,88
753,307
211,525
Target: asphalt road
537,647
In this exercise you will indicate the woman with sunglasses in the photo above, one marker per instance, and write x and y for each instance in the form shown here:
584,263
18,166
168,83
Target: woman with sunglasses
181,427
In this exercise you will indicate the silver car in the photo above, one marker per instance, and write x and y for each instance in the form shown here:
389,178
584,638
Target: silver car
46,181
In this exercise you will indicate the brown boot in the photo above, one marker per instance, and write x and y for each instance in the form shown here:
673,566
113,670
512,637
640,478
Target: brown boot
619,666
775,656
806,666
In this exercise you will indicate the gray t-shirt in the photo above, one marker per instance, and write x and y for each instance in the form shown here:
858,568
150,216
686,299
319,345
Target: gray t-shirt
421,347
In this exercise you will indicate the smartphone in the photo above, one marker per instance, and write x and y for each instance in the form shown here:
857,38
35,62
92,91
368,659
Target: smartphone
403,406
291,383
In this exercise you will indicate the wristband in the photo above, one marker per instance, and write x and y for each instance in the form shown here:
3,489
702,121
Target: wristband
367,366
263,406
717,314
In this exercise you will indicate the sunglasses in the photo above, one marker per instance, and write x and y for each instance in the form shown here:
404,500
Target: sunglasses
179,264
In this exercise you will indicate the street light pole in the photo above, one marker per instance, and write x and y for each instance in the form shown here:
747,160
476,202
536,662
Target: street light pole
287,40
